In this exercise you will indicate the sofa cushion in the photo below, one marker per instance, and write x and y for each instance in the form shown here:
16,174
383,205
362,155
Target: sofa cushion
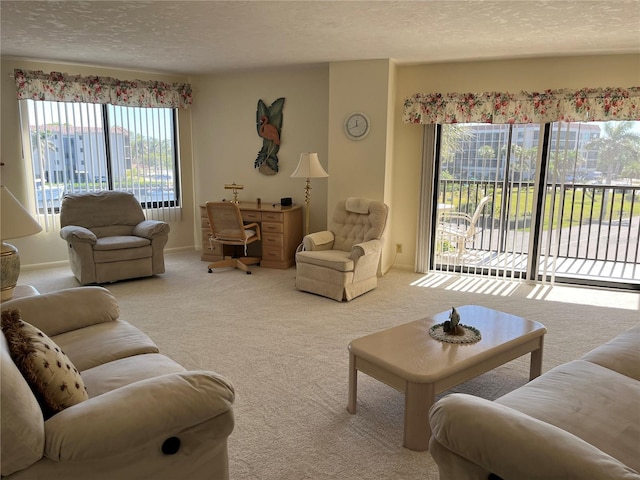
22,424
54,379
621,354
66,310
104,342
593,403
112,375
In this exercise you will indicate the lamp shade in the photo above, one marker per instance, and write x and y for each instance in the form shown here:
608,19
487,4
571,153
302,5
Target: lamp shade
16,222
309,167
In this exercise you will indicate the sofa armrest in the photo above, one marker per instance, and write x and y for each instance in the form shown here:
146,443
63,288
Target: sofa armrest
66,310
74,233
513,445
136,415
151,228
319,241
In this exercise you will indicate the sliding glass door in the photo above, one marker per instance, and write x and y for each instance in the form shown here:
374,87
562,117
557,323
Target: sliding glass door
548,202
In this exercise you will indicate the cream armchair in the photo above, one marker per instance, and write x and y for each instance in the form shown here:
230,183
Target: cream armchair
342,263
109,238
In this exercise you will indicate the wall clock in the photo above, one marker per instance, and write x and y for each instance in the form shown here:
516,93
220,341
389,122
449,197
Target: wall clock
356,126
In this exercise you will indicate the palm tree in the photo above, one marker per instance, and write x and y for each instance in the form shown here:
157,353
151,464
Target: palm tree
486,153
42,144
619,147
452,139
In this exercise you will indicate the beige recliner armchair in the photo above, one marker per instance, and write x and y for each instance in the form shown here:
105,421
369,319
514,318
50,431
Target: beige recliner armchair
342,263
109,238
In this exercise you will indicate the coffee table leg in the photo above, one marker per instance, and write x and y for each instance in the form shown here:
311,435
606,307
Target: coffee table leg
419,398
535,369
353,384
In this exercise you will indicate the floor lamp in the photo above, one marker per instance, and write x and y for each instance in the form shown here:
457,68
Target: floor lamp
15,223
308,167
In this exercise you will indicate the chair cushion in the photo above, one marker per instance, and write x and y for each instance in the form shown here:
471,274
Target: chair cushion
100,209
334,259
357,205
118,243
55,381
351,228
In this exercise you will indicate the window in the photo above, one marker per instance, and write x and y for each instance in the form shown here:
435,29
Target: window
82,147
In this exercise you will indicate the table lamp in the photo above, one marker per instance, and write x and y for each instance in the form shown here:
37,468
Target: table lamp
14,223
309,167
234,187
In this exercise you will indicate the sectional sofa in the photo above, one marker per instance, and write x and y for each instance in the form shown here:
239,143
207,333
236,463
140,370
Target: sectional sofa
580,420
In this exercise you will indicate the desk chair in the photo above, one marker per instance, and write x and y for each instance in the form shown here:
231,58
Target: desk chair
227,228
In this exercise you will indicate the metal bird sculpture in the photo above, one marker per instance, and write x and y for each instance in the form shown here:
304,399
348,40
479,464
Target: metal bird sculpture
269,124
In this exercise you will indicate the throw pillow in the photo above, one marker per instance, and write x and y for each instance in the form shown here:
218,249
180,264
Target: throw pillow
55,382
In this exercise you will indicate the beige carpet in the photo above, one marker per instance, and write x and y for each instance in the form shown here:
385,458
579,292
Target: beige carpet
286,353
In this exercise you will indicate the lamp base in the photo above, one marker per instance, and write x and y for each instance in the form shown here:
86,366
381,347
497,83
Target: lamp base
9,270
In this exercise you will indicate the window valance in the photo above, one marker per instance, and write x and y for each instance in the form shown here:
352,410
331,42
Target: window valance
587,104
60,87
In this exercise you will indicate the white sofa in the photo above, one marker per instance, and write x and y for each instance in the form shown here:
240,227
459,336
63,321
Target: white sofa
580,420
146,417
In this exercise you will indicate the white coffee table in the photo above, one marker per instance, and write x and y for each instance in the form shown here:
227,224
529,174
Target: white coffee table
408,359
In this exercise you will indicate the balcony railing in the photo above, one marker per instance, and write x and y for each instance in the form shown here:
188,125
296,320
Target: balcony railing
588,232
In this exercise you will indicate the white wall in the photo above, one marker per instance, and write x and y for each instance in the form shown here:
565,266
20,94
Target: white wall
360,168
226,142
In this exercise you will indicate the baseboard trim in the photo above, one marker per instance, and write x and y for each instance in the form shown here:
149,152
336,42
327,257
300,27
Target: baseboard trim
62,263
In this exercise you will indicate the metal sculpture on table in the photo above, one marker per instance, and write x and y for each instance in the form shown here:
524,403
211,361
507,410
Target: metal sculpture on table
269,125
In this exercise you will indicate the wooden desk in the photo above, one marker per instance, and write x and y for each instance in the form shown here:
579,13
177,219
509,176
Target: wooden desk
280,228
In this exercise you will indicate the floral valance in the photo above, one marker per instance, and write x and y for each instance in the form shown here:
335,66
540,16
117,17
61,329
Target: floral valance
585,105
60,87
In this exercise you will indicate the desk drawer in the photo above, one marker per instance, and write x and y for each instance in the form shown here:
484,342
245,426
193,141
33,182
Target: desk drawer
272,253
272,217
251,216
268,227
272,240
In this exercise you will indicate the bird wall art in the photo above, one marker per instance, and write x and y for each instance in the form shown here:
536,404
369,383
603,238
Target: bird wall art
269,125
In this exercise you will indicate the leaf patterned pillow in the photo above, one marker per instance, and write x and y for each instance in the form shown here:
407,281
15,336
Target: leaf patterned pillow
54,380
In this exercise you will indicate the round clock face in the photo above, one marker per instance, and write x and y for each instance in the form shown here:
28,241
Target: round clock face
356,126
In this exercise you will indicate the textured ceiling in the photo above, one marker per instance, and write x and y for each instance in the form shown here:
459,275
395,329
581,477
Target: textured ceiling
193,37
